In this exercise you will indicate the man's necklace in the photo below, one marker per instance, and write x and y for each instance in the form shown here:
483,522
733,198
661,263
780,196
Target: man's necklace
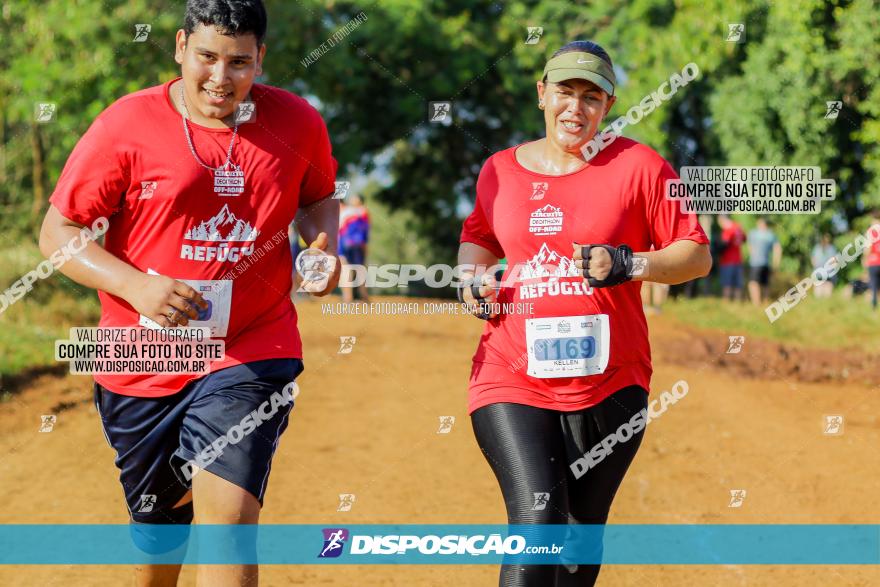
228,178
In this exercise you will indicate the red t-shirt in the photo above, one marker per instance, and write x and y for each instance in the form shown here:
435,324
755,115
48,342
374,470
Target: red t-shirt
734,237
533,219
134,167
873,254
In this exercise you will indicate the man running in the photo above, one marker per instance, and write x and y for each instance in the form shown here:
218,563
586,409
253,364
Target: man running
575,258
193,190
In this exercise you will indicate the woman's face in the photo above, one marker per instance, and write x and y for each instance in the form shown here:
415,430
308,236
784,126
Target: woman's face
573,110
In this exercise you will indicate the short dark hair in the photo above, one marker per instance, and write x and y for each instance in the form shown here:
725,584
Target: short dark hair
231,17
583,47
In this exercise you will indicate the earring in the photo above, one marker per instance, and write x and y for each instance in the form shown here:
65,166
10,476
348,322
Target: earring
540,104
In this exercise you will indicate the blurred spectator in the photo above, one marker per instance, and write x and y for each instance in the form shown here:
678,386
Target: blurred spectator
730,268
653,296
822,252
762,244
354,233
703,285
871,261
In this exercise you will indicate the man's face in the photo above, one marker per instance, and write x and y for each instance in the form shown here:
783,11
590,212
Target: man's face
218,70
573,110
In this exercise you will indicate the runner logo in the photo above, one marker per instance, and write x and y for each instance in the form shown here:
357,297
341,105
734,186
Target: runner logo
440,112
533,34
346,344
147,503
334,541
141,32
833,109
47,423
833,425
147,189
736,33
546,220
245,112
539,190
541,501
341,189
735,344
224,228
346,501
446,424
737,497
44,111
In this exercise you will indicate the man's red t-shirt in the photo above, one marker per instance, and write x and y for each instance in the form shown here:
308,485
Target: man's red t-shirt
133,166
734,237
533,219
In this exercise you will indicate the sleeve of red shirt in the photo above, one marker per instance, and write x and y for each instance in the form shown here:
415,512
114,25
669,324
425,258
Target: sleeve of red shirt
94,180
477,228
666,220
318,180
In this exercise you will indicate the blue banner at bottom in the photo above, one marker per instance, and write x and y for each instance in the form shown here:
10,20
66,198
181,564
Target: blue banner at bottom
297,544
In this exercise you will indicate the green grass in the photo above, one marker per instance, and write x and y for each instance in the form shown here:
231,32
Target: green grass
832,323
30,326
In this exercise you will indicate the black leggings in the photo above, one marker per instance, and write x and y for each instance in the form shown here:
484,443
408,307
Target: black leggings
530,450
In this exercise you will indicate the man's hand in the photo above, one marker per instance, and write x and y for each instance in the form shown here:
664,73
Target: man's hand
487,292
164,300
323,286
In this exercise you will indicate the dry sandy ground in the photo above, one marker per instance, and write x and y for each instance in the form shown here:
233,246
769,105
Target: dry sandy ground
366,422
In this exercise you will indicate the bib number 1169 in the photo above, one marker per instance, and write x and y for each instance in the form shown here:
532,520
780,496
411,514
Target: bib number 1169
560,349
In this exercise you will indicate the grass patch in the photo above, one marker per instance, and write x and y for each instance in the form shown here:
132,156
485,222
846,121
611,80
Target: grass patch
30,326
831,323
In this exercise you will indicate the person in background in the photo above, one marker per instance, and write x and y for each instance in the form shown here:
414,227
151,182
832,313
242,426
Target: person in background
822,252
354,232
762,243
730,260
871,261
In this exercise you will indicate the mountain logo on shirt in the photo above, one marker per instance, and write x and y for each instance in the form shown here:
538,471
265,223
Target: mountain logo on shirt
223,227
548,263
546,220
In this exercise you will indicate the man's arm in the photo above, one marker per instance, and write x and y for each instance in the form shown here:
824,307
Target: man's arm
318,223
154,296
777,254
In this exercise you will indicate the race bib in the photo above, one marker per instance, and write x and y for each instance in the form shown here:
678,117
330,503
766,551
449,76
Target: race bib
218,294
567,346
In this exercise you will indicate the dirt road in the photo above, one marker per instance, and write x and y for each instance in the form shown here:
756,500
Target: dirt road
366,423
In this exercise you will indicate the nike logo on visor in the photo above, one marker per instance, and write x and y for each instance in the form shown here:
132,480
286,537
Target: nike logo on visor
587,61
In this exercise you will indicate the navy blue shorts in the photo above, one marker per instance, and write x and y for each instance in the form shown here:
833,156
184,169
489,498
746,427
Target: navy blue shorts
227,422
353,255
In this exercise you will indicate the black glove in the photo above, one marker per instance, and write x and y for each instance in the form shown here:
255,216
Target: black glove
475,291
621,265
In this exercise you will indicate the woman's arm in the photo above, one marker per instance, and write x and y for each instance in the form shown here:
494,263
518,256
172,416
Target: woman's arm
681,261
473,257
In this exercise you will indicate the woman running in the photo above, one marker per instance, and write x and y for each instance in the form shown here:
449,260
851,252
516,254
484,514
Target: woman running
551,382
